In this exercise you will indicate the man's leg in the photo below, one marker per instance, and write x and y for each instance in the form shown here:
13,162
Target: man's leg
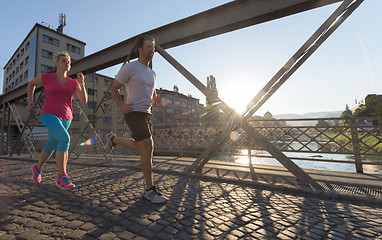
126,142
145,149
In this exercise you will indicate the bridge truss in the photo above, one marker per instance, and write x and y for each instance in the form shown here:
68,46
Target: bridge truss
222,19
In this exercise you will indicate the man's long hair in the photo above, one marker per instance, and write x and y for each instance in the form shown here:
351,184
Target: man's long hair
139,44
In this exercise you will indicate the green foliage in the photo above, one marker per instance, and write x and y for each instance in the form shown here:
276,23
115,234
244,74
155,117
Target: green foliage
322,123
372,107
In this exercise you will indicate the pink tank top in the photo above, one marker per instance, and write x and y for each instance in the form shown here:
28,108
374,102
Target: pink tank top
58,97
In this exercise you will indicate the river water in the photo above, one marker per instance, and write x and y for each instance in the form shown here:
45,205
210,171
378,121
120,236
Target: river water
327,166
317,165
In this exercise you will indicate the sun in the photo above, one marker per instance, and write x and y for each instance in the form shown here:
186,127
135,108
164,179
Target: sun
237,97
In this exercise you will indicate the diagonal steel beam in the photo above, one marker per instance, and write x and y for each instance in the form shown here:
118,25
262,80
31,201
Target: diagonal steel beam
302,54
235,122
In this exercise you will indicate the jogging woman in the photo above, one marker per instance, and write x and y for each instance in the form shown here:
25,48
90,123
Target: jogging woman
57,114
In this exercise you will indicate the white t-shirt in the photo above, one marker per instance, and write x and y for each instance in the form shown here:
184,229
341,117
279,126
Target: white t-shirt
139,81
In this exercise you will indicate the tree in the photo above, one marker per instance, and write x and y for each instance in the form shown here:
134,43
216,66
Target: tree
372,106
322,123
176,89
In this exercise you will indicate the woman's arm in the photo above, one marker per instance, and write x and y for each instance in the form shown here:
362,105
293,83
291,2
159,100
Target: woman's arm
81,89
30,91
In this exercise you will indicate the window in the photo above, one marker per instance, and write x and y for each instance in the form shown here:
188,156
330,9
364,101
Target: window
22,51
107,120
47,54
108,82
107,107
50,40
47,69
27,46
17,57
92,105
27,60
17,69
26,74
7,69
21,64
170,110
92,78
92,91
108,94
75,130
72,48
92,118
120,121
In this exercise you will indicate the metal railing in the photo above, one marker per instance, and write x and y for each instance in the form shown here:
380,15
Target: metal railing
331,136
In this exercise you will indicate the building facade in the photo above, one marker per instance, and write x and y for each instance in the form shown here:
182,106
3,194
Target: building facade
35,55
177,108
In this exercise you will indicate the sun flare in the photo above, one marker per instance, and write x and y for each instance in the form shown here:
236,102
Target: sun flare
237,97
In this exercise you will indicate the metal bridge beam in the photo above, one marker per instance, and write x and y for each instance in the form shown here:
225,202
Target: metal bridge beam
222,19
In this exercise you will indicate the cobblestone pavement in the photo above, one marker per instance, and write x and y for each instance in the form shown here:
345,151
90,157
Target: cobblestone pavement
107,204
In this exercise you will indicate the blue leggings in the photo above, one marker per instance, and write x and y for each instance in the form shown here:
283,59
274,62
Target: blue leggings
59,136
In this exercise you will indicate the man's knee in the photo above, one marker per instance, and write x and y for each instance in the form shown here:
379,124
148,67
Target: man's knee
145,146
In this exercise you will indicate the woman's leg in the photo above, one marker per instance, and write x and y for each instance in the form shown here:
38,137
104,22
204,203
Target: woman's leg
59,137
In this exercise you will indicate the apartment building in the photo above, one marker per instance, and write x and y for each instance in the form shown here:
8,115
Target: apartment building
35,55
177,108
108,117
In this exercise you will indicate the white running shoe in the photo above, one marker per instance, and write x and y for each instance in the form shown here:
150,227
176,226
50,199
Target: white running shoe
154,196
109,142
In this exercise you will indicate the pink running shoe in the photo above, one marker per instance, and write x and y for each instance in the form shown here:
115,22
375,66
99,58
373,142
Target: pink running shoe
36,173
64,183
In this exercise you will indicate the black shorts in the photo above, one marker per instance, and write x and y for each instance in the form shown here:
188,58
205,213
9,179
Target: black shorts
140,124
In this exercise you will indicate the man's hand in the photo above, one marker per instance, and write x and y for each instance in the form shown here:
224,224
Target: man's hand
157,100
127,108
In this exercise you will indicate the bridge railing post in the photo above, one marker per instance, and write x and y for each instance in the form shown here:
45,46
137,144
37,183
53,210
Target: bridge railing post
356,145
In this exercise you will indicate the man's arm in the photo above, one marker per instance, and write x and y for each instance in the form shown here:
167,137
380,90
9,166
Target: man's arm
126,108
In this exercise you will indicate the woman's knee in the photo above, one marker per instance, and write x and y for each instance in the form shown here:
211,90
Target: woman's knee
63,142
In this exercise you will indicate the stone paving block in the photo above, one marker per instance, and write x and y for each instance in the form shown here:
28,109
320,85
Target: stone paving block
74,224
76,234
7,237
29,234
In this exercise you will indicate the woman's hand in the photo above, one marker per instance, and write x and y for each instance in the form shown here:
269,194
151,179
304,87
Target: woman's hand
30,107
80,78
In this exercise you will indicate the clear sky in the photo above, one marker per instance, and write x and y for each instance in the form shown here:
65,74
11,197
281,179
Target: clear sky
345,68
